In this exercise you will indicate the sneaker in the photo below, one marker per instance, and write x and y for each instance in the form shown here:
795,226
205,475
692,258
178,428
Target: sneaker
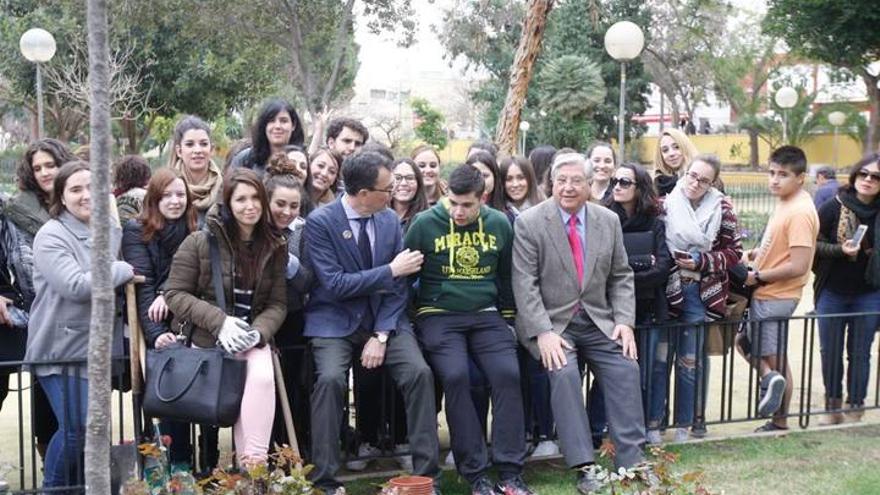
365,451
681,435
482,486
653,437
450,459
769,426
587,481
513,486
403,458
772,388
545,448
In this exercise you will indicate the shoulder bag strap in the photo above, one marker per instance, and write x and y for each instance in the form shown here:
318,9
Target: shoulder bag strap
216,276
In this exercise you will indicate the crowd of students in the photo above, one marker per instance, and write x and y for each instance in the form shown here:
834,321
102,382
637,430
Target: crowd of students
499,284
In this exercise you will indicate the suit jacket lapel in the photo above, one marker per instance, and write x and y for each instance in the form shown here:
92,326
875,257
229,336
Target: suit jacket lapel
343,230
559,239
593,237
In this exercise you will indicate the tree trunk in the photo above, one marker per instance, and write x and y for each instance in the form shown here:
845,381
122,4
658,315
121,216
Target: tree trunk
753,149
872,139
97,451
521,73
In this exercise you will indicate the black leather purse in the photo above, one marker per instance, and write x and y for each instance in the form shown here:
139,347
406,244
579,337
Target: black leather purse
196,385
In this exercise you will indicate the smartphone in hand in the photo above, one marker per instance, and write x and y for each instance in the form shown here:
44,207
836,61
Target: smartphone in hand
682,255
859,234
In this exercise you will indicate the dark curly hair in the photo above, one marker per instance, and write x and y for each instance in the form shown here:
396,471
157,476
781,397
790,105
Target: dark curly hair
260,142
129,172
25,171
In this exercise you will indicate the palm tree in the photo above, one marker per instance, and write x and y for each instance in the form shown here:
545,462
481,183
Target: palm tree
571,86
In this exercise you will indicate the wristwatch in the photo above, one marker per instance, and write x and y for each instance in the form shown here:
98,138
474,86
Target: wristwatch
382,337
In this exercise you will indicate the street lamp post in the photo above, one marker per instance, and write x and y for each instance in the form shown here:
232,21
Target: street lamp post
786,98
38,46
524,127
836,119
623,41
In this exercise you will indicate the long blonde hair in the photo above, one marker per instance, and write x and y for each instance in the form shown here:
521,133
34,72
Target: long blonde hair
688,152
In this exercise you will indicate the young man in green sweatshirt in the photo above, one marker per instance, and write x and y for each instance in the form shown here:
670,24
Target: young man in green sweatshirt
464,304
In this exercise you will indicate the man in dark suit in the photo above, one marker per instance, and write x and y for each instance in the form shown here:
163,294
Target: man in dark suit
355,249
575,301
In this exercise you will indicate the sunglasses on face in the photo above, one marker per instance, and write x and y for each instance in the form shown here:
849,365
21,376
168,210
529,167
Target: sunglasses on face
868,175
624,183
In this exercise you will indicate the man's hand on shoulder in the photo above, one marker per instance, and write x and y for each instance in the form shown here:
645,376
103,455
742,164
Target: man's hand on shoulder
552,348
406,262
627,339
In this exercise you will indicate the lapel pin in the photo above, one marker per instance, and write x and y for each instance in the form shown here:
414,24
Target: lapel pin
346,234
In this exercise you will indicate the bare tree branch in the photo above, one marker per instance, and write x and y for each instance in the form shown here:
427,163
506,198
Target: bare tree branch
129,95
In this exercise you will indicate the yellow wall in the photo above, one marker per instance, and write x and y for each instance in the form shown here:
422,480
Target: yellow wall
734,148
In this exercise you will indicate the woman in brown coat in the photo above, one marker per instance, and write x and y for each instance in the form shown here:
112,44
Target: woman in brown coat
253,262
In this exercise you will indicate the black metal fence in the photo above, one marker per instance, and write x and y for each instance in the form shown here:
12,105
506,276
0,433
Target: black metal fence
728,391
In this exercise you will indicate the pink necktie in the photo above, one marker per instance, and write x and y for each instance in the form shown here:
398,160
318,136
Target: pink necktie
577,250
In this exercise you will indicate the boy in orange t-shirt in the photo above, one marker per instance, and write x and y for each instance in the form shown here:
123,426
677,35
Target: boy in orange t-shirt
781,268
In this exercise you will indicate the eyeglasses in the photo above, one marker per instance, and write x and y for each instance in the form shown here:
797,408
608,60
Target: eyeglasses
867,175
406,178
702,181
390,190
574,181
624,183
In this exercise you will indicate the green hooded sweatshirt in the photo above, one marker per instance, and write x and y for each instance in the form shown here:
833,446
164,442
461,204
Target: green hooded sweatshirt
466,268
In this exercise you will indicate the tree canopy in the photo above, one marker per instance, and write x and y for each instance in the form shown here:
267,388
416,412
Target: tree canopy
485,34
843,34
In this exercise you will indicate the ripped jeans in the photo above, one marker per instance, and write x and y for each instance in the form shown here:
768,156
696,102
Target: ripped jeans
680,343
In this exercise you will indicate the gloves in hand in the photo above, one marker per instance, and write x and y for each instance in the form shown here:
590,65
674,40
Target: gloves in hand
236,336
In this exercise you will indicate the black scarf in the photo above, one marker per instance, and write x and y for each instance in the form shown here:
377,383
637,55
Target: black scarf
866,213
636,223
168,240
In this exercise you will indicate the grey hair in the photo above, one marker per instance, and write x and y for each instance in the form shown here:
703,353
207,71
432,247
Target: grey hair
561,159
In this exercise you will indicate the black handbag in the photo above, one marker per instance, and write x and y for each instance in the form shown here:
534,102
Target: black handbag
196,385
639,249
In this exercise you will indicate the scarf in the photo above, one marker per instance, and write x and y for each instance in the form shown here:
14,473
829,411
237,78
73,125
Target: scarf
169,239
26,212
864,214
208,192
639,222
687,228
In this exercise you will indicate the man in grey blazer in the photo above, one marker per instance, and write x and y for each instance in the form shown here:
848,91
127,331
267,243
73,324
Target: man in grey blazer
575,298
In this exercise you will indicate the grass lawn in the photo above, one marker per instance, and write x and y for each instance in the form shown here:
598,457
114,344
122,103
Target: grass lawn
840,461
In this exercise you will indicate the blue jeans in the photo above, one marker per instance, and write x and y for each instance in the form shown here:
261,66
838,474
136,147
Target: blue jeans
859,332
68,396
682,343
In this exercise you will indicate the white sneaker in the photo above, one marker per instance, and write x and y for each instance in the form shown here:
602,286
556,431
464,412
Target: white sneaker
403,459
681,435
450,459
653,437
545,448
365,450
